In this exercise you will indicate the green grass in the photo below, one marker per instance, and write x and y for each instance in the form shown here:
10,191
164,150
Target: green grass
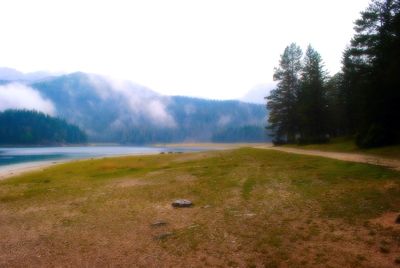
253,207
348,145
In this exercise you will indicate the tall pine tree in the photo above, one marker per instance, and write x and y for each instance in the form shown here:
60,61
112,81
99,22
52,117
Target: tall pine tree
282,102
373,61
312,101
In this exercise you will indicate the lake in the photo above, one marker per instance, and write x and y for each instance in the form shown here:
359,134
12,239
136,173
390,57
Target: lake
12,156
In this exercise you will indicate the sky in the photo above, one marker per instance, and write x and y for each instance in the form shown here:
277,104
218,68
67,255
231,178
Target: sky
218,49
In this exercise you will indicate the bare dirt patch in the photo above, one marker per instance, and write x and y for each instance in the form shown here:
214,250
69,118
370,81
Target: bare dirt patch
388,220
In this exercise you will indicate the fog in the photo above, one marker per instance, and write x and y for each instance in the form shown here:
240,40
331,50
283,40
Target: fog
141,101
19,96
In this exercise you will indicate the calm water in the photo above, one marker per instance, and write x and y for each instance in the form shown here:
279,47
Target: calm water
11,156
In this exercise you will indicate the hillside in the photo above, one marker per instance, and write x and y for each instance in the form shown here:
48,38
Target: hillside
120,111
21,127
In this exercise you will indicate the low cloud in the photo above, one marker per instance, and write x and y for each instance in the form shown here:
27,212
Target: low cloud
157,111
142,102
19,96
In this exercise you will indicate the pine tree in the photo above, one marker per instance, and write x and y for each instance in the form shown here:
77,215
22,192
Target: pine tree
312,99
374,58
282,102
336,102
31,127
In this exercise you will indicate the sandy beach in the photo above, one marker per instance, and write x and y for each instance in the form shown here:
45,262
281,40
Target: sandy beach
8,171
18,169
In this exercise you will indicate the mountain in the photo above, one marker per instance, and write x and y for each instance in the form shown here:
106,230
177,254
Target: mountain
110,110
203,120
9,74
258,93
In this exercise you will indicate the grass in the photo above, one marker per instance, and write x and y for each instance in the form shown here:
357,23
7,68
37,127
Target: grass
253,207
347,145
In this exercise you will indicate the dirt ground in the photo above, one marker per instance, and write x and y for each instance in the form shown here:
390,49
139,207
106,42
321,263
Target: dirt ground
351,157
253,208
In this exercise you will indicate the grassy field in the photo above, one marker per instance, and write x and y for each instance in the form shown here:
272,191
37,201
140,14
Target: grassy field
348,146
253,208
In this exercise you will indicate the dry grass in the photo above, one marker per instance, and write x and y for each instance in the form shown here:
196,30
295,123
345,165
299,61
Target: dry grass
253,208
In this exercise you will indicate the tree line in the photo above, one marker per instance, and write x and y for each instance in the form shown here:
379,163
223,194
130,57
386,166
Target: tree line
360,101
23,127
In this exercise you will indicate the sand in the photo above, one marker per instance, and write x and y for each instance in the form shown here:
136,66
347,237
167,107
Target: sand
18,169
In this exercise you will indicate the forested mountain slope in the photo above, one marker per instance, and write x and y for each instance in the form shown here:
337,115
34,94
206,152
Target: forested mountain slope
22,127
120,111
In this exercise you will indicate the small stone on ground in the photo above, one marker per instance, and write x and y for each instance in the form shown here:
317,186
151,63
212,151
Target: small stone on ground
182,203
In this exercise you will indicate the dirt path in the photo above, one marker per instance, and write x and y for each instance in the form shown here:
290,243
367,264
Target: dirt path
352,157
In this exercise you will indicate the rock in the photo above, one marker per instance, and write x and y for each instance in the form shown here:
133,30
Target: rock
398,219
159,223
206,206
182,203
163,236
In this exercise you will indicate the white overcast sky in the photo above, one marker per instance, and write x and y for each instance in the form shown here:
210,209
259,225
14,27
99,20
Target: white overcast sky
209,48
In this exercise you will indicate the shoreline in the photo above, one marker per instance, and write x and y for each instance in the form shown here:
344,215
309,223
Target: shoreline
13,170
9,171
213,146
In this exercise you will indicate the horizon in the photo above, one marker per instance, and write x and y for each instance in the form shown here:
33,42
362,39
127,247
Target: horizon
15,83
170,47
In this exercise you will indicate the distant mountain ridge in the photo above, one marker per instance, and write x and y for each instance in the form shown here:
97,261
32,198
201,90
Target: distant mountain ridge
258,93
9,74
110,110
